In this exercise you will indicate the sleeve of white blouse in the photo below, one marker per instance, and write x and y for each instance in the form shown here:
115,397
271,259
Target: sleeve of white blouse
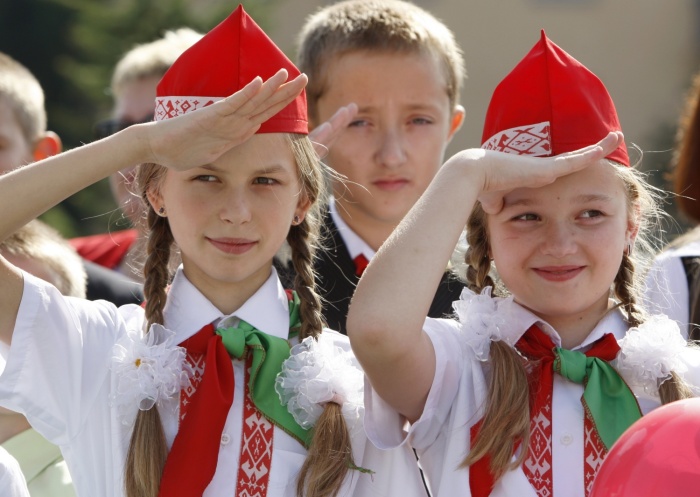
386,428
59,359
12,482
666,290
691,360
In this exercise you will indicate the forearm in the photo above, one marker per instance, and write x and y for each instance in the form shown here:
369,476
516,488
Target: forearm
391,302
29,191
395,292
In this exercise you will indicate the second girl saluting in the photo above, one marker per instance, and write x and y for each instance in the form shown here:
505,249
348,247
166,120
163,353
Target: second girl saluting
521,396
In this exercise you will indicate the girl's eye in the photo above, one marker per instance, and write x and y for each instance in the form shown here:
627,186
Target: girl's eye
591,213
264,181
526,217
207,178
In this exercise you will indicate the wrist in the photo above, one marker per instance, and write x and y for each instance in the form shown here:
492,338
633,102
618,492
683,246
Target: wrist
464,170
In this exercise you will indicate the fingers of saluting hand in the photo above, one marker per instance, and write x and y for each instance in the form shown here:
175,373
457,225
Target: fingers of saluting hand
260,101
325,134
202,136
506,173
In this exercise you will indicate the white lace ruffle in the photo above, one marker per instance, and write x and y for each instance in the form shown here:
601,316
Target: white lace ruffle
483,320
318,372
148,369
649,353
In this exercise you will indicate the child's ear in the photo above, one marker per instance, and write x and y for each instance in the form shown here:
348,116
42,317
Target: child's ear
154,199
303,207
46,146
456,122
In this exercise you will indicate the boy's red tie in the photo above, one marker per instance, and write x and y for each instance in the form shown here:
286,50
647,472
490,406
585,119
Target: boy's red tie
360,264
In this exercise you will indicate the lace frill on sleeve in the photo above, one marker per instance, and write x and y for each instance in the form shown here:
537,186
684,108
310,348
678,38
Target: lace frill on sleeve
318,372
148,369
484,319
649,353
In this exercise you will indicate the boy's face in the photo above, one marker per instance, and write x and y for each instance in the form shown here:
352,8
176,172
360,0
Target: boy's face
395,145
15,151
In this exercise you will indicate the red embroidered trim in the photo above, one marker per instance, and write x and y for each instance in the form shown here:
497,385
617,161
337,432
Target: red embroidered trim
256,439
538,464
196,362
594,453
256,447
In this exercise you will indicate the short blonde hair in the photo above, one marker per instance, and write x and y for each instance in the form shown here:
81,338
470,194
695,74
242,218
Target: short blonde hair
383,26
39,242
22,91
153,58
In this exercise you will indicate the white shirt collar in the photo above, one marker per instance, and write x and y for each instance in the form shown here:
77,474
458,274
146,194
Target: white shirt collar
353,242
612,322
187,310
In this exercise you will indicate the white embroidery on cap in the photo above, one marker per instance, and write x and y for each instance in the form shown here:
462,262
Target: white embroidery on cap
531,139
168,107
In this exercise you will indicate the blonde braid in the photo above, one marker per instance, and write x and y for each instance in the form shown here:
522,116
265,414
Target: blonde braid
506,420
156,274
674,388
300,240
477,255
623,287
148,449
329,457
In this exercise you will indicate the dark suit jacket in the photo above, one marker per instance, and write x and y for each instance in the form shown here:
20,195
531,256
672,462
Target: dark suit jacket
105,284
336,280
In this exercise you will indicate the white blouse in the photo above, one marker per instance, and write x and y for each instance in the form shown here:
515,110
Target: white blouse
456,400
12,482
666,285
58,374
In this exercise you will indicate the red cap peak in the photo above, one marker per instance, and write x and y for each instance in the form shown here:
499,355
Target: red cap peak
549,104
221,63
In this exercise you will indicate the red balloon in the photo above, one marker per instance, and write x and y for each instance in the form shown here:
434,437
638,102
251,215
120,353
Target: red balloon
659,455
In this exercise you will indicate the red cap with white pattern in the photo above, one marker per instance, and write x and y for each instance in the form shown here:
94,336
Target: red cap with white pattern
221,63
549,104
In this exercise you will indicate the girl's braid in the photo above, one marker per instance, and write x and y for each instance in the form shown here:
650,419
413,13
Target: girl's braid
674,388
477,255
301,241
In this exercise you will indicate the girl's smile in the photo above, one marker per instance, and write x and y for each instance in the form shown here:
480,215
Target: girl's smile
558,273
232,245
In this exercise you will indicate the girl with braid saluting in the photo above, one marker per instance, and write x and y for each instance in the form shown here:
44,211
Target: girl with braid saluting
198,393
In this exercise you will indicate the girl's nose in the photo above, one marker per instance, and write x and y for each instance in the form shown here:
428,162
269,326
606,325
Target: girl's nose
559,240
235,208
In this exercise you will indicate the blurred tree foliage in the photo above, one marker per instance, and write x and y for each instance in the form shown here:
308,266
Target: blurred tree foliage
71,46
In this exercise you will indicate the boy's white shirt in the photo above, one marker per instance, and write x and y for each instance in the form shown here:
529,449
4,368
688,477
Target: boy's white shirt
666,285
58,375
457,397
353,242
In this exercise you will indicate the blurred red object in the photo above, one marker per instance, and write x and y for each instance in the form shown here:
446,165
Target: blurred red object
658,456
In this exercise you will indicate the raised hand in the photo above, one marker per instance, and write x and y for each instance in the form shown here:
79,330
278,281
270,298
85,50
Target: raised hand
324,135
502,172
202,136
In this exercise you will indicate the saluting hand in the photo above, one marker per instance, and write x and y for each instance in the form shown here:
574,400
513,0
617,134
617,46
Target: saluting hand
502,173
202,136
